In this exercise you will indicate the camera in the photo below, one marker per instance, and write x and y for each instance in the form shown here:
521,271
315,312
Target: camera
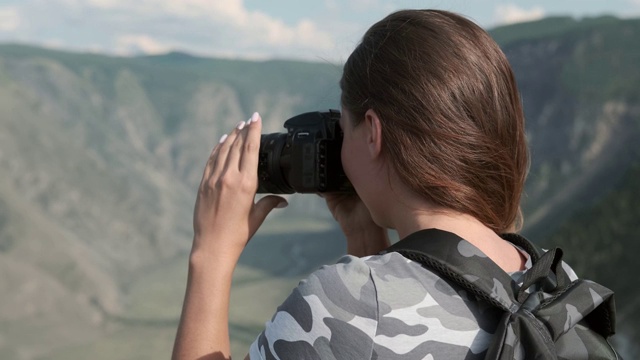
305,159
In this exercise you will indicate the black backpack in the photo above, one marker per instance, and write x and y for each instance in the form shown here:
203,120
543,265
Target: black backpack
548,317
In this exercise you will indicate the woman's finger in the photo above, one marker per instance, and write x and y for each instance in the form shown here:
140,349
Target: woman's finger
262,208
249,161
209,165
219,160
235,150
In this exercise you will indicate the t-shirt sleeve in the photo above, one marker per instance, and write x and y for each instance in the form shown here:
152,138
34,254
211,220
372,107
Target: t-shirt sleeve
333,311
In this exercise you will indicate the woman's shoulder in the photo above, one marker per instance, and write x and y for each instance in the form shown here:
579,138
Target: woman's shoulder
331,313
374,277
383,277
385,304
416,307
397,293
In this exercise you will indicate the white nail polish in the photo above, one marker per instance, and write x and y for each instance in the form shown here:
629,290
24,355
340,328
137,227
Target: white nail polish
223,138
255,117
241,125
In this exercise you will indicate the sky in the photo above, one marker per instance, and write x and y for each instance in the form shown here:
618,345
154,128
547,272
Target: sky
317,30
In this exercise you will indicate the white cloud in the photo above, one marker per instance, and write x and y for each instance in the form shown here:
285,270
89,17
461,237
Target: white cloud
9,18
331,5
263,29
635,8
105,4
203,26
382,6
363,5
511,14
133,44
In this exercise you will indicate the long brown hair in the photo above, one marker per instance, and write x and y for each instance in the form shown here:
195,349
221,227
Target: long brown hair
452,120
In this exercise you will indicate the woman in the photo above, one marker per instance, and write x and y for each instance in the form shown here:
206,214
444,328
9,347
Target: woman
433,138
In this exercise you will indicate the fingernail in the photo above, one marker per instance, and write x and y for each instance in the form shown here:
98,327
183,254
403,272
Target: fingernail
241,125
282,204
255,117
223,138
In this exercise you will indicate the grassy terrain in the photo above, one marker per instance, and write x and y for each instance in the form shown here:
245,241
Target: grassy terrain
146,328
99,157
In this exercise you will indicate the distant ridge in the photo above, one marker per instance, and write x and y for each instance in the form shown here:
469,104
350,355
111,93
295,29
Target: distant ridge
504,35
100,157
548,27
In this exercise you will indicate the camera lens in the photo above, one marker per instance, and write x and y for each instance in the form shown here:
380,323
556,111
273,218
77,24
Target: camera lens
305,159
274,164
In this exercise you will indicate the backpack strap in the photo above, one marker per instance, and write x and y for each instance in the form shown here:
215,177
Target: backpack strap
584,296
538,313
462,263
548,273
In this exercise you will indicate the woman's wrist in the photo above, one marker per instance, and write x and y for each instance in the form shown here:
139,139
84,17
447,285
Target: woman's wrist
213,258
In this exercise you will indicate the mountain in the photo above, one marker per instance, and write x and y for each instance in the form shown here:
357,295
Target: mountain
582,108
100,157
579,87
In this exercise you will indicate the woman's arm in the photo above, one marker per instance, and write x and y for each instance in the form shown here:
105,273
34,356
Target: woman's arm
225,218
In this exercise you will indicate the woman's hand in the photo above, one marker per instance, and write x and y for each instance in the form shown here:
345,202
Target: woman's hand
224,220
225,215
364,236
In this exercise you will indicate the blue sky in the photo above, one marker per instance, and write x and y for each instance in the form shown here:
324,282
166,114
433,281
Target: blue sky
319,30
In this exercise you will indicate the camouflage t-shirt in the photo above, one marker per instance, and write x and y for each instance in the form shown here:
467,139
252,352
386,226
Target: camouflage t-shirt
378,307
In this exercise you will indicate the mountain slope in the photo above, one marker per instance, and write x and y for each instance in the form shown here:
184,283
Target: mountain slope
100,156
582,108
98,177
608,232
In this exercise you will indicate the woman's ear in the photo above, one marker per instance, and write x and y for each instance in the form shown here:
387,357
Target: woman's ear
373,129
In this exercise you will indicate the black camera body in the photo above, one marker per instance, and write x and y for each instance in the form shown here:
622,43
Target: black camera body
305,159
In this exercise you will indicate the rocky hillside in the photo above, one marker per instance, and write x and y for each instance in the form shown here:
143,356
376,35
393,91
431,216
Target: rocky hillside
579,86
100,156
99,159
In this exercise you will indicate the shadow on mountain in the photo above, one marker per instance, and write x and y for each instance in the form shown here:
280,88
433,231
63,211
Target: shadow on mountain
294,254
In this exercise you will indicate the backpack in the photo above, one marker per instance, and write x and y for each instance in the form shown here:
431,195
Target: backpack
548,317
